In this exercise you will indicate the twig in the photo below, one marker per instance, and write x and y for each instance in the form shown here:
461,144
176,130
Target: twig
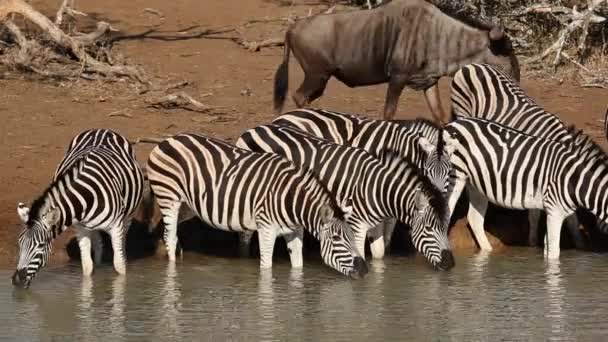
154,11
154,141
60,12
121,112
179,100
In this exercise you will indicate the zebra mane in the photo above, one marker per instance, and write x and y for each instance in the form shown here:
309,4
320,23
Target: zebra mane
41,203
440,143
584,145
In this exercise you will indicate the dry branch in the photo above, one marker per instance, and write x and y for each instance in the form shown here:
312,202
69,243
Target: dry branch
86,64
179,100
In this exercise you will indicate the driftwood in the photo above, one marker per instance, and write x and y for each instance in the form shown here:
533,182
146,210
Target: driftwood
64,56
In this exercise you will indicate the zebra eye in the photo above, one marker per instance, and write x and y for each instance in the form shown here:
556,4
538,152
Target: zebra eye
336,238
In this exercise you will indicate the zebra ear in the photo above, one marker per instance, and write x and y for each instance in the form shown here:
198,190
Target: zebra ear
426,145
326,213
51,218
23,211
347,208
422,200
450,143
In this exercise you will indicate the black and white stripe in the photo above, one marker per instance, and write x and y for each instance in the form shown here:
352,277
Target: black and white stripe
378,189
486,92
239,190
519,171
417,141
97,186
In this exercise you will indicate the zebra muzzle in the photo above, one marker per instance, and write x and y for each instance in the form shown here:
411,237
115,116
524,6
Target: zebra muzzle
20,278
447,260
360,268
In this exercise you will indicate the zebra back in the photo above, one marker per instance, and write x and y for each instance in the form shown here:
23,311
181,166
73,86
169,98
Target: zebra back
418,142
486,92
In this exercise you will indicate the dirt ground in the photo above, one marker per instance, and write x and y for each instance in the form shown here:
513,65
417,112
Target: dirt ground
39,118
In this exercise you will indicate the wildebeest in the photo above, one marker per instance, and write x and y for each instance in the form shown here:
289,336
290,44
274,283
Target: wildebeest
402,42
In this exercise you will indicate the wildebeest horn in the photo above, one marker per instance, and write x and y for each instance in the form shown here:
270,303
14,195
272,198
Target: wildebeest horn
497,32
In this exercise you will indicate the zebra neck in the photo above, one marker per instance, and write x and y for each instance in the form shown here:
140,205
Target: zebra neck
50,202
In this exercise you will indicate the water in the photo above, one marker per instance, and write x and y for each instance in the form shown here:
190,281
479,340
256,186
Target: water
515,296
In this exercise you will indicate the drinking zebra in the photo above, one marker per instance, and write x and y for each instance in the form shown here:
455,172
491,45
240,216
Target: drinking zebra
97,186
486,92
519,171
417,141
238,190
378,189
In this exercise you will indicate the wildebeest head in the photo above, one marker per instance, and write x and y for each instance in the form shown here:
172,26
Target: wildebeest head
501,53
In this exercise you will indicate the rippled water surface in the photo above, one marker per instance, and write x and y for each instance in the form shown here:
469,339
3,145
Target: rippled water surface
515,296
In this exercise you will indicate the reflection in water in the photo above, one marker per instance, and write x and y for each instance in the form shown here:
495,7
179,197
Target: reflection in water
85,309
555,296
266,308
117,311
171,303
517,296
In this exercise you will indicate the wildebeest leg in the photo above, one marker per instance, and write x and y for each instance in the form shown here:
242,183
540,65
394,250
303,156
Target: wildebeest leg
431,95
395,87
311,89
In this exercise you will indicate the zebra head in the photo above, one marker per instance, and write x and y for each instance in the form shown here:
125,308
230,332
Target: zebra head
437,166
430,228
337,243
34,243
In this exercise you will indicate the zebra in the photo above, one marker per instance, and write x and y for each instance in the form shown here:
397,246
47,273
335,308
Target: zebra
486,92
520,171
238,190
417,141
378,189
97,187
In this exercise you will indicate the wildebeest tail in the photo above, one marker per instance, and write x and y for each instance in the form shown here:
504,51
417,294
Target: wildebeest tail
281,78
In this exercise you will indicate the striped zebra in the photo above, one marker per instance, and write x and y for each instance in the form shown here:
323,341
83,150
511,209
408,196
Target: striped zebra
96,187
519,171
486,92
238,190
417,141
378,189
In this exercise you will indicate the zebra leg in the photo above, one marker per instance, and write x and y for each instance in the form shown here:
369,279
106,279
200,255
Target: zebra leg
97,244
83,235
360,240
533,218
245,243
170,212
294,246
457,188
555,220
389,227
118,235
572,225
376,237
266,237
476,217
